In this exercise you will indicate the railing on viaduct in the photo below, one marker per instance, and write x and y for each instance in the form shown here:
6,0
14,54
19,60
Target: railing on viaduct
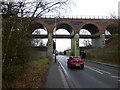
80,17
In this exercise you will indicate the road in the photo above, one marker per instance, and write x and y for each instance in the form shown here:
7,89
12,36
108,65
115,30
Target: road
93,76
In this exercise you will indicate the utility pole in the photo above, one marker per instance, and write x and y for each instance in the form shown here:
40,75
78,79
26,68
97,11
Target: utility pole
55,39
55,34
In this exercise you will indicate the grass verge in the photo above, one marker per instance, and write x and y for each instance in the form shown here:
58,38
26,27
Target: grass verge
34,75
105,57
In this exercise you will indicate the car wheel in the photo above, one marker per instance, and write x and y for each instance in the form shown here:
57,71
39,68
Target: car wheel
82,67
68,65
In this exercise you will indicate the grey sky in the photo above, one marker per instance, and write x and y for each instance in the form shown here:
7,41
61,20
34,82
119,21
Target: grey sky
94,7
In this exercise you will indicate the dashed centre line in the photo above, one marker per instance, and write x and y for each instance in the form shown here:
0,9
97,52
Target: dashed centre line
119,80
98,70
102,71
94,69
115,77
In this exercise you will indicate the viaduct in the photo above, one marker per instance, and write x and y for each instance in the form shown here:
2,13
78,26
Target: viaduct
96,27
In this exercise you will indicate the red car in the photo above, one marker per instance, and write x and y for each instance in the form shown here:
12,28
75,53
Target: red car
75,61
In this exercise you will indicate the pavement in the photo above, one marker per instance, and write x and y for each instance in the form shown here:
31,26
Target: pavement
54,79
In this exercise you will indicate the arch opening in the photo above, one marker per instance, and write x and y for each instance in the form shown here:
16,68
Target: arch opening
60,43
85,42
107,32
62,29
88,29
110,31
38,29
63,26
36,26
91,28
61,32
112,28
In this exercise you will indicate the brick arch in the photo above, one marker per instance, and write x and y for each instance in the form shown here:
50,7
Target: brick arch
36,25
64,25
76,24
112,28
91,27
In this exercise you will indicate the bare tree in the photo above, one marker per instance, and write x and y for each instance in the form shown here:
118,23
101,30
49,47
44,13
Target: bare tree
13,14
86,42
15,37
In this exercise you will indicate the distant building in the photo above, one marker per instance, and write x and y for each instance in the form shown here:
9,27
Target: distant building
67,52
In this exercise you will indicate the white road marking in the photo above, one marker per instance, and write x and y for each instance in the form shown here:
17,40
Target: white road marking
105,71
118,80
115,77
102,71
68,77
63,78
98,70
94,69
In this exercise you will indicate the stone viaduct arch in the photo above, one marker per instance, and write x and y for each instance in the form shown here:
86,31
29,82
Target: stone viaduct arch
96,27
65,26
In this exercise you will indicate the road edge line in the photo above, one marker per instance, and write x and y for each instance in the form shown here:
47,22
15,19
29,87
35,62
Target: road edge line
65,84
68,79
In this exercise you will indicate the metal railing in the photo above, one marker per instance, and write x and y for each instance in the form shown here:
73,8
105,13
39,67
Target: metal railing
78,17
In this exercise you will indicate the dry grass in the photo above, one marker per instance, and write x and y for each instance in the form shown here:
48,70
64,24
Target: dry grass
108,54
34,76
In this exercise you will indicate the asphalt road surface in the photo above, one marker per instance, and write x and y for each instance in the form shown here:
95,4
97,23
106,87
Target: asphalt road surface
92,76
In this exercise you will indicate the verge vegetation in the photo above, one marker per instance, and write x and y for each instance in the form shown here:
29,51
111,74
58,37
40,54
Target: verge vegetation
108,54
18,68
33,75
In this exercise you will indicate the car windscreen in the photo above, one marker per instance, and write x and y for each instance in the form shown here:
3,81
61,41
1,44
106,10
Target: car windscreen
77,58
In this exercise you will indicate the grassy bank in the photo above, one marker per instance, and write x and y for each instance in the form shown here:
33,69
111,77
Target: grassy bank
108,54
34,75
110,57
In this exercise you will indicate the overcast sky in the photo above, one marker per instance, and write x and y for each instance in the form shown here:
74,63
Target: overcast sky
94,7
87,7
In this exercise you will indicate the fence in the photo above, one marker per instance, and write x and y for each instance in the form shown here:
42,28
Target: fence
79,17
